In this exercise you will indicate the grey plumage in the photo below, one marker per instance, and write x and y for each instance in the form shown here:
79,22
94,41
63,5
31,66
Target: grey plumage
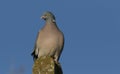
50,39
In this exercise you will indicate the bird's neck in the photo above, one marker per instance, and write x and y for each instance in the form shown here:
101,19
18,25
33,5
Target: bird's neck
50,25
50,20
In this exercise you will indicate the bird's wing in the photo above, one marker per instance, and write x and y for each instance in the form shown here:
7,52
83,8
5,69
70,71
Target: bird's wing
34,53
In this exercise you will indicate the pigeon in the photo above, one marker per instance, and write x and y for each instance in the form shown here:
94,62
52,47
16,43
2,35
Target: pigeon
50,39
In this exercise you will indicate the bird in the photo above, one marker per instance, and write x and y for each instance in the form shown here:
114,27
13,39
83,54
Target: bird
50,39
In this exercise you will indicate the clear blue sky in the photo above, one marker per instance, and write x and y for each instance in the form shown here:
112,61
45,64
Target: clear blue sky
91,29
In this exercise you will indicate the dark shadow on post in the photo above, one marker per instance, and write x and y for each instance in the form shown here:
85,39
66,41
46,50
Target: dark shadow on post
58,68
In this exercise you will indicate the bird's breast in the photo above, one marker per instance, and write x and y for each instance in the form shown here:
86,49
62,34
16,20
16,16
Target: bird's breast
49,40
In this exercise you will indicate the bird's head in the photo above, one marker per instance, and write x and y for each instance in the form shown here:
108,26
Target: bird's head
48,16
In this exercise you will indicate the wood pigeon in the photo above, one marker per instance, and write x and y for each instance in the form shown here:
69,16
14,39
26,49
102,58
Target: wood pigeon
50,39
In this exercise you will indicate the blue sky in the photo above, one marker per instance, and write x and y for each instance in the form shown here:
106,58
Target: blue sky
91,29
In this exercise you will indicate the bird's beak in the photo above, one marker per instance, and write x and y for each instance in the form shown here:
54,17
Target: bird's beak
42,17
